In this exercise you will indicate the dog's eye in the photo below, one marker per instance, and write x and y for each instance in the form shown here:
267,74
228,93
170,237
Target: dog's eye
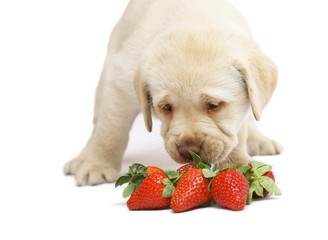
212,105
168,108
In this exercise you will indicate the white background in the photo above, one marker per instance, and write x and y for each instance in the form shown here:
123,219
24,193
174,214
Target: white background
51,56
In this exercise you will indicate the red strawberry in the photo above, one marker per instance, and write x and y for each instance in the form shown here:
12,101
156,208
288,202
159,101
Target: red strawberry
151,169
149,194
230,189
137,173
191,191
183,169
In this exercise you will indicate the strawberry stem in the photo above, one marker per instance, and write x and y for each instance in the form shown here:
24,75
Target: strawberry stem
177,179
131,171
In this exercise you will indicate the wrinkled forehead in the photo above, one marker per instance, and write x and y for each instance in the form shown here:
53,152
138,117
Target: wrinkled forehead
223,83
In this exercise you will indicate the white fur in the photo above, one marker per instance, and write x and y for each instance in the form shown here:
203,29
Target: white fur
185,53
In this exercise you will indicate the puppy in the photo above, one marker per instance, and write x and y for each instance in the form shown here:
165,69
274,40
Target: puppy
194,65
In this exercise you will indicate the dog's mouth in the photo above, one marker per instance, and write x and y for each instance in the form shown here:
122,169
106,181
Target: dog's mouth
211,155
211,150
183,160
187,160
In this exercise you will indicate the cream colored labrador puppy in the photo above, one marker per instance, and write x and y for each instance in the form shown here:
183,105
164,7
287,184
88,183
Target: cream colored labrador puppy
195,66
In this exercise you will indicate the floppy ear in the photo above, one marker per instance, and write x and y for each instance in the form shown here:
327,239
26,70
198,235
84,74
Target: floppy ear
144,98
260,74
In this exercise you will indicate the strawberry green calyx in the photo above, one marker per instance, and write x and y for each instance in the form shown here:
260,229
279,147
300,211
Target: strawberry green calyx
137,173
210,174
199,163
171,182
244,169
169,188
258,183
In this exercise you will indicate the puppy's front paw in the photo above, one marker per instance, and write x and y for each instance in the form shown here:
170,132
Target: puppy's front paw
90,172
263,146
73,166
94,174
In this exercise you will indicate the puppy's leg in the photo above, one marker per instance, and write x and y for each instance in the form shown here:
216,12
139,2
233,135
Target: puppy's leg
258,144
100,160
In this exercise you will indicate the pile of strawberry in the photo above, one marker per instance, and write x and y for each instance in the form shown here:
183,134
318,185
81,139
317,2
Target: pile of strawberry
195,185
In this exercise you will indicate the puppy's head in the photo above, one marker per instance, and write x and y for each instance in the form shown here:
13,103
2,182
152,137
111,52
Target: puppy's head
201,85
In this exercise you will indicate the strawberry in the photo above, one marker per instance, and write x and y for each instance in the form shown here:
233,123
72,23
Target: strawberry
149,194
186,168
137,173
260,180
191,192
151,169
229,189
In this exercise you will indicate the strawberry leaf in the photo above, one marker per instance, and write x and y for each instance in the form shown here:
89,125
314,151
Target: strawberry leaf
129,190
262,170
208,173
138,179
257,165
204,165
137,173
244,169
166,181
138,168
168,190
257,188
171,174
195,158
269,185
123,179
198,162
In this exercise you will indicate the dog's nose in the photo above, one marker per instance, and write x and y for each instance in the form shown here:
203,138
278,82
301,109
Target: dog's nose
184,151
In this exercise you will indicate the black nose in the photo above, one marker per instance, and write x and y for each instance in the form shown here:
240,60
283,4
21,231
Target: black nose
184,151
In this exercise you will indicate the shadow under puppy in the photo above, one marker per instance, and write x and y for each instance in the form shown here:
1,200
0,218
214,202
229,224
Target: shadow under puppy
194,65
